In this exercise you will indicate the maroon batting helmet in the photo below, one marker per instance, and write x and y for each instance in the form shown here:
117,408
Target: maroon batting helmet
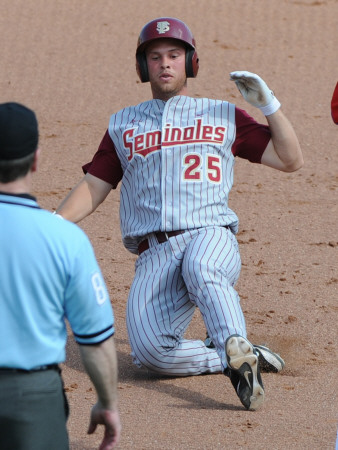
166,27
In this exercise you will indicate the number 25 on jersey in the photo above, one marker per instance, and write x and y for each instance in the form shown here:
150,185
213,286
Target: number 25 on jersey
195,170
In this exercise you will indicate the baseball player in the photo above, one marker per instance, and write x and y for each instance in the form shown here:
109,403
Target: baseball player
334,115
174,156
334,105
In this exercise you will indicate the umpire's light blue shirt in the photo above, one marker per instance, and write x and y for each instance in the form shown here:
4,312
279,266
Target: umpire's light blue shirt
49,273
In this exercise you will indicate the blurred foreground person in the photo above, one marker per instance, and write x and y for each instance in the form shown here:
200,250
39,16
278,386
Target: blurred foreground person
49,273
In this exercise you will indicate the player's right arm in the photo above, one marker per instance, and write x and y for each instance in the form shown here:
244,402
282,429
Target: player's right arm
103,173
84,198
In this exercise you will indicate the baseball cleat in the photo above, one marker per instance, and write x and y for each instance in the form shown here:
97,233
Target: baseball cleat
268,360
243,371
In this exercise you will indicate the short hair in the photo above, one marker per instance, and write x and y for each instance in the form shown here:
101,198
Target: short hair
12,170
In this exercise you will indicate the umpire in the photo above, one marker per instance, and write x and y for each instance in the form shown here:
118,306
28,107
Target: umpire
49,273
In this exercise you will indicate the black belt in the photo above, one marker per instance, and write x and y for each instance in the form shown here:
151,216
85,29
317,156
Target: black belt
161,236
35,369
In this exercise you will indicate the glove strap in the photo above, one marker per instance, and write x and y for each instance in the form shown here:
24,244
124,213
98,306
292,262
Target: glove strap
58,215
271,108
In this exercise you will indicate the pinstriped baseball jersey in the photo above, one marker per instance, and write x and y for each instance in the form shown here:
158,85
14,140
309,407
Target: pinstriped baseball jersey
177,163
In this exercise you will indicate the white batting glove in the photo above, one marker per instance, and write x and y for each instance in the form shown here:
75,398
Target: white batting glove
255,91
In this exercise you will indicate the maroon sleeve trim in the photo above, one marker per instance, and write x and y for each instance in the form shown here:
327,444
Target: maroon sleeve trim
105,163
251,137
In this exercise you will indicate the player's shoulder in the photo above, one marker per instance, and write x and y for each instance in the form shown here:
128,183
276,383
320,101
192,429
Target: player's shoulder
135,113
208,107
212,102
138,106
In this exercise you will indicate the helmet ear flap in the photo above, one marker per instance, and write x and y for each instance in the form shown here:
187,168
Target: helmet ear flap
191,63
142,67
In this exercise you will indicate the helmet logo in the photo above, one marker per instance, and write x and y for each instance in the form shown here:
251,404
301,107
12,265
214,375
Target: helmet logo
163,27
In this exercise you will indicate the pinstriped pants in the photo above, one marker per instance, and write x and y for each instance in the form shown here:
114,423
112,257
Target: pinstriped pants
196,269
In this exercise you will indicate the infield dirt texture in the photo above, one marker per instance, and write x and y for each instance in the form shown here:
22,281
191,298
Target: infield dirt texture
72,61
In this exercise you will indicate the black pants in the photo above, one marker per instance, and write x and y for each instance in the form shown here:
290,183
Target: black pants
33,411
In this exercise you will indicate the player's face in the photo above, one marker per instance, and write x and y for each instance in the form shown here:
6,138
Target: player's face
166,67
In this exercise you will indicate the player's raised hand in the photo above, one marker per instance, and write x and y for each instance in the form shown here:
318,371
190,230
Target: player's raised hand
255,91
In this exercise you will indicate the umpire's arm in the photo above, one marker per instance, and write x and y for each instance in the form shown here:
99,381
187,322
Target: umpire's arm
100,362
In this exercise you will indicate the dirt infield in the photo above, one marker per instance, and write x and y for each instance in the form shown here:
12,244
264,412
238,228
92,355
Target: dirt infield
73,63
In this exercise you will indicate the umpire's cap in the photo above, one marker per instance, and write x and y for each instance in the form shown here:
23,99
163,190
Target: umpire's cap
19,133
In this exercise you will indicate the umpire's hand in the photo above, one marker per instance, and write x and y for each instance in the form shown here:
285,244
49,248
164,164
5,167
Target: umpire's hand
112,426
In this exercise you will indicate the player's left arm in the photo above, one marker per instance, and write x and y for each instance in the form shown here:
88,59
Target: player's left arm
334,105
283,151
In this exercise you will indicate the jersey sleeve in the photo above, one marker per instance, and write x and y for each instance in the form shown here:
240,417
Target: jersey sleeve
334,105
251,137
105,163
87,303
